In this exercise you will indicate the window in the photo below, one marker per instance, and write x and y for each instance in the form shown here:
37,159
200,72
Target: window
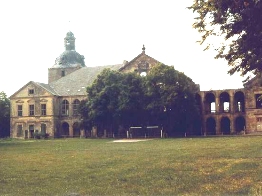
19,132
31,110
258,100
75,106
43,109
63,73
65,108
43,128
19,110
143,73
31,91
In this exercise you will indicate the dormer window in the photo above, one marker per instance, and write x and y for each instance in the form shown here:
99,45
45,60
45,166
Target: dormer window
31,91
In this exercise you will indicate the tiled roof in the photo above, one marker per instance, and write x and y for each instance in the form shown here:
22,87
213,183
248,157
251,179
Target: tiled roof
76,82
47,87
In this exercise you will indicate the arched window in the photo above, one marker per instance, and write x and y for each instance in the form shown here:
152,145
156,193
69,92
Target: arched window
65,108
75,107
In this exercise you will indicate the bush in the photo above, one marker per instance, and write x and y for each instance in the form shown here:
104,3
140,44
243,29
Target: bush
41,135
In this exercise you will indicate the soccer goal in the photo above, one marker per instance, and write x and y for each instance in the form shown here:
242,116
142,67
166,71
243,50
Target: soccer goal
145,132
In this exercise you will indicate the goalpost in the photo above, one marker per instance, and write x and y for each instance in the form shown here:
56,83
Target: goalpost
145,132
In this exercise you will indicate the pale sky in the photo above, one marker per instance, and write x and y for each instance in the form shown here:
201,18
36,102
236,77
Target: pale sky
107,32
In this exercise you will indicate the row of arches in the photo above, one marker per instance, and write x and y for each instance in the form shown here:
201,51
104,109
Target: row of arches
226,125
212,102
65,130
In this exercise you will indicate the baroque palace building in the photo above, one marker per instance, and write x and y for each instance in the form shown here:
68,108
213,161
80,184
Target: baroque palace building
53,108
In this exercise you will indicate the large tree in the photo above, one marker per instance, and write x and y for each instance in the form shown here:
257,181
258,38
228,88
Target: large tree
171,99
4,115
239,22
114,99
165,97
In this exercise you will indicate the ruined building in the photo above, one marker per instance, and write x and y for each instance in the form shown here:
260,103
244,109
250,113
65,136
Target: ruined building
52,108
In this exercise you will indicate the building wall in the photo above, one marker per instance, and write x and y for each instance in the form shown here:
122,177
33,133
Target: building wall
223,111
27,120
56,73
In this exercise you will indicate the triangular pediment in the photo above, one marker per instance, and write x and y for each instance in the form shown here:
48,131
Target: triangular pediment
43,100
141,63
254,82
19,101
32,89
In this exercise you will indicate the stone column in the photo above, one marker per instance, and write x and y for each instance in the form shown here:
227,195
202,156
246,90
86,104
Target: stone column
218,132
204,126
217,104
104,133
231,104
71,131
232,125
94,132
82,133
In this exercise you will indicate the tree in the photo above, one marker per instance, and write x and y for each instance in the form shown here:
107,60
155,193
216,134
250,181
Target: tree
165,97
171,99
114,99
239,22
4,115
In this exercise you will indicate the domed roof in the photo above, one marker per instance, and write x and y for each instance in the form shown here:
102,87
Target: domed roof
69,58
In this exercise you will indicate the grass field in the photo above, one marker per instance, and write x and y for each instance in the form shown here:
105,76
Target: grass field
187,166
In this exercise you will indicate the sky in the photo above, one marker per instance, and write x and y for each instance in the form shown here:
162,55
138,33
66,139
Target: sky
107,33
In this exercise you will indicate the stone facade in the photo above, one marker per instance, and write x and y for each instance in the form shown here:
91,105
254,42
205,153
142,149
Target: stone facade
52,108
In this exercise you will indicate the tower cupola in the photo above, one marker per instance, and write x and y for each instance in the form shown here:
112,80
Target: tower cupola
69,41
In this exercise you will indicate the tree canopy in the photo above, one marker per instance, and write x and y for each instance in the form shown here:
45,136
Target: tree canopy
4,115
239,22
165,97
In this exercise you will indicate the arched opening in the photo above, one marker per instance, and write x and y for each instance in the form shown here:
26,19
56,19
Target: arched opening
239,102
76,129
143,73
210,105
224,102
76,103
240,124
211,126
65,129
65,108
225,126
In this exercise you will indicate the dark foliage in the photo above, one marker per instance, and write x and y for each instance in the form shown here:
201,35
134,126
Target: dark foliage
4,115
164,98
239,22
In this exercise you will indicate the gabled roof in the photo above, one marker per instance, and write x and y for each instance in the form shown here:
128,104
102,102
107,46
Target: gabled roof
41,85
47,87
76,82
256,80
137,57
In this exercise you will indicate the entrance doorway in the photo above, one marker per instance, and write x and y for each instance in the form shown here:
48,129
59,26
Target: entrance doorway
31,131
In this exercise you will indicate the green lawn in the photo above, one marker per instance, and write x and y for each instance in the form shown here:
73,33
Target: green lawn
187,166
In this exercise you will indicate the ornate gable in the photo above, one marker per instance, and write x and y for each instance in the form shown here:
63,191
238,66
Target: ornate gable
140,64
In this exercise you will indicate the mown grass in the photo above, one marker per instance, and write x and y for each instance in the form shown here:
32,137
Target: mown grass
187,166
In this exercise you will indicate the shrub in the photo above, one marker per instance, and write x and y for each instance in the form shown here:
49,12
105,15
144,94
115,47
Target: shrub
41,135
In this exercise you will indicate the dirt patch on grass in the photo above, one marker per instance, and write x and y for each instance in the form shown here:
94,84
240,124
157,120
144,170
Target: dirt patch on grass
131,140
